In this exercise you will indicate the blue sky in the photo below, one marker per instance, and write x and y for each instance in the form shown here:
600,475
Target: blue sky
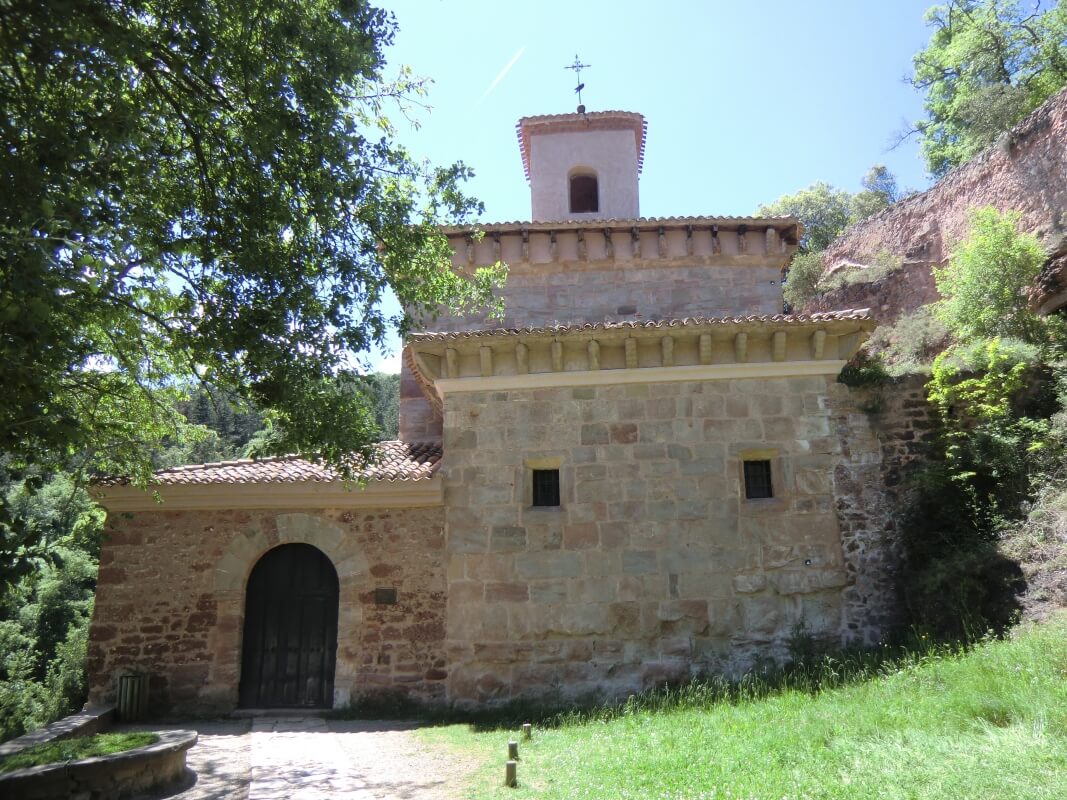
745,102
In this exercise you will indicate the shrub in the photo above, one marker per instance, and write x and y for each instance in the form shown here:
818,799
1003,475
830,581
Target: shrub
984,284
802,280
992,460
910,344
23,705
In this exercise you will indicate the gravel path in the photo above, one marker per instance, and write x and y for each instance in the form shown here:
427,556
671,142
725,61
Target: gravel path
298,758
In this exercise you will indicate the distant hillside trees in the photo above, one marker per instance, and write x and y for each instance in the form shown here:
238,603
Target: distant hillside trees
988,64
224,427
825,213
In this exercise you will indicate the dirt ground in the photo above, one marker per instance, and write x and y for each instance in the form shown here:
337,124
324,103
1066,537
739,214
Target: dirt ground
298,758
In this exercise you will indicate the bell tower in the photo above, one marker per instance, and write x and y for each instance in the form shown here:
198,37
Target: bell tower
583,166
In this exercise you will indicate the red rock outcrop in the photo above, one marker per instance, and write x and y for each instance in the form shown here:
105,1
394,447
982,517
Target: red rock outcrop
1025,171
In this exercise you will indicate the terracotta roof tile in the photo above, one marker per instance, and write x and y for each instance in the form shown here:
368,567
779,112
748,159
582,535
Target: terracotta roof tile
584,120
612,222
857,314
397,461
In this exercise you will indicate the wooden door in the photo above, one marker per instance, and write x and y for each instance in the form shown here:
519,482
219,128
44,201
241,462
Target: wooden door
290,632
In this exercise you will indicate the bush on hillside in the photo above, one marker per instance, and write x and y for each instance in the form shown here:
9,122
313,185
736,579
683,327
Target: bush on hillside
802,280
910,344
984,284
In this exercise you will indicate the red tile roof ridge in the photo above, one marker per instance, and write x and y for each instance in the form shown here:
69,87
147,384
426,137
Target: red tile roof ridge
399,461
624,221
585,118
571,114
857,314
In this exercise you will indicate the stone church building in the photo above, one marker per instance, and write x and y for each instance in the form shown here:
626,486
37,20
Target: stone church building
645,472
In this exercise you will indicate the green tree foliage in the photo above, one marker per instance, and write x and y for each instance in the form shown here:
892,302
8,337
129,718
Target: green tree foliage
203,192
823,210
984,284
802,282
44,615
999,442
879,192
988,64
991,456
225,426
825,213
384,391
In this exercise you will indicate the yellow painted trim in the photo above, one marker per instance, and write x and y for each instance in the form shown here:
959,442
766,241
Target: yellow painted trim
610,377
214,496
763,454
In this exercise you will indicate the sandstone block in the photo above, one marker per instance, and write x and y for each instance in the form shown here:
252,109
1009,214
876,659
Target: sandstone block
677,647
550,591
760,614
650,451
502,652
488,494
584,536
592,590
501,592
737,405
779,429
507,539
639,562
710,584
811,580
467,540
750,584
586,619
590,472
623,433
723,617
625,618
652,432
614,536
814,482
662,408
594,434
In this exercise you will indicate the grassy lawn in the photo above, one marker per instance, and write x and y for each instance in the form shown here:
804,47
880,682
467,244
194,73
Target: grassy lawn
101,744
990,723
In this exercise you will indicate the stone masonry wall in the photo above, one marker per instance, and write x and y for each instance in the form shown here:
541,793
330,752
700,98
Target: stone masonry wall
537,295
1025,171
654,567
870,494
171,591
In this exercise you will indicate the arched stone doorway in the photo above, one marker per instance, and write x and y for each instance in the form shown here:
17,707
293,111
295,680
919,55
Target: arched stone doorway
290,630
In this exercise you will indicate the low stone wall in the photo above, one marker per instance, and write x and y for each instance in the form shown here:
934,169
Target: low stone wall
118,775
89,721
171,594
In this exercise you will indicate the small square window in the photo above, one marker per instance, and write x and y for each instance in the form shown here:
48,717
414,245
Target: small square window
758,480
546,487
385,596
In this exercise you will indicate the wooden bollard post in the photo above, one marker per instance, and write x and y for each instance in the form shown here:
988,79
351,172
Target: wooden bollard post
527,730
511,769
513,750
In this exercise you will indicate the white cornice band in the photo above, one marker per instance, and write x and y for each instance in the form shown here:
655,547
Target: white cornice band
216,496
610,377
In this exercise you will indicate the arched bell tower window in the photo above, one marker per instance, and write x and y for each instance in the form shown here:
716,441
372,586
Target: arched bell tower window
585,195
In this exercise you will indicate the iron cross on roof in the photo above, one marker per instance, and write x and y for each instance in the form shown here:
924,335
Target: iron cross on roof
578,66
